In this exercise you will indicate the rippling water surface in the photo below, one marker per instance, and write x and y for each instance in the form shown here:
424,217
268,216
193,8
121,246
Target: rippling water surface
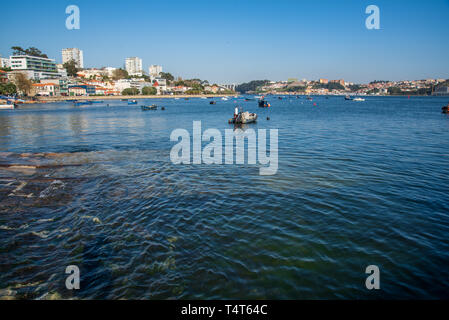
358,184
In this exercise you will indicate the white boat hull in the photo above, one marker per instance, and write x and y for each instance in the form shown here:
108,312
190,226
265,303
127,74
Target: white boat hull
6,106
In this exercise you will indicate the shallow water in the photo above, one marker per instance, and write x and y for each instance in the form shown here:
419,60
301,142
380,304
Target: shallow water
358,184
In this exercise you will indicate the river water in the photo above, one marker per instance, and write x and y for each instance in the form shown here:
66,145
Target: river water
358,184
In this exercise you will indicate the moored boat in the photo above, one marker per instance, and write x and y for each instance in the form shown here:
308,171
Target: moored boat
243,117
7,106
264,104
152,107
82,103
445,109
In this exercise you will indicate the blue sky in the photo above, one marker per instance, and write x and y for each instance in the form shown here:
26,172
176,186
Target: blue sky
234,41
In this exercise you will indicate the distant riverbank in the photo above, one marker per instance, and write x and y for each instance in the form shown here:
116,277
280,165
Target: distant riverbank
93,98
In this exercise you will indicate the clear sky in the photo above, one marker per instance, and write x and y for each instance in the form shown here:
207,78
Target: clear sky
232,41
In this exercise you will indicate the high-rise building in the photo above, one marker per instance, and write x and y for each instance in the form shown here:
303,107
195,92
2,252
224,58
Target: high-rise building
73,54
155,71
4,62
35,67
133,66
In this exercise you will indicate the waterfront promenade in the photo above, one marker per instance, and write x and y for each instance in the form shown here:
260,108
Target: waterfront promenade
64,98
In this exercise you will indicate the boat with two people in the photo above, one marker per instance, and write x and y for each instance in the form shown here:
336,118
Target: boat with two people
242,117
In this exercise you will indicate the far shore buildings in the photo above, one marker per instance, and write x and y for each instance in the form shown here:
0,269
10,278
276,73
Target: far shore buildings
74,54
133,66
155,71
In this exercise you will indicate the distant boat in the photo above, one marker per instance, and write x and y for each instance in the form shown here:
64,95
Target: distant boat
82,103
212,102
358,99
224,99
263,104
97,101
132,102
7,106
124,99
348,98
445,109
152,107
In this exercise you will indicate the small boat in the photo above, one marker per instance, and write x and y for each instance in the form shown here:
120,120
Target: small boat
82,103
445,109
212,102
248,99
132,102
264,104
244,117
124,99
224,99
358,99
7,106
152,107
348,98
97,101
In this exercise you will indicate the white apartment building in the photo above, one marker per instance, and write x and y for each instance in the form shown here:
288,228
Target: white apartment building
133,66
155,71
73,54
34,67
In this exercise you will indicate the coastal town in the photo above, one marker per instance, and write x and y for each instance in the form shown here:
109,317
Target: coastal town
30,73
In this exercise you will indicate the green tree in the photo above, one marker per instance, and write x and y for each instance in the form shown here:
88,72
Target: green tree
31,51
251,86
8,88
394,90
149,91
71,68
167,76
131,92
